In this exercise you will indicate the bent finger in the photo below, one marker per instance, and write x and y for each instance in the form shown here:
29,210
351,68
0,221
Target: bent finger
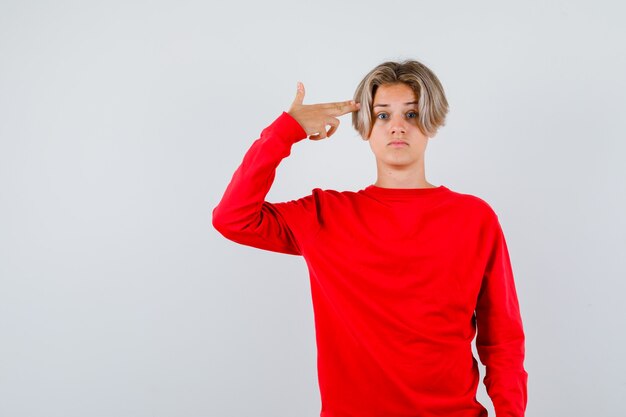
320,133
334,124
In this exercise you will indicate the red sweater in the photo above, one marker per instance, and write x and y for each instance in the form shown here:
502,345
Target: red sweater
400,281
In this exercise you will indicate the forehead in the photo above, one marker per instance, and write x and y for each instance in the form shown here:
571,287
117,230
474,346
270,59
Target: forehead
399,92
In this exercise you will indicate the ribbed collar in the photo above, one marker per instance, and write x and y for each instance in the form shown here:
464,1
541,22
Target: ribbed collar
403,192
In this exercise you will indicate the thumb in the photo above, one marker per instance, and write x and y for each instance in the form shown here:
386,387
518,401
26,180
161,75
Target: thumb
299,94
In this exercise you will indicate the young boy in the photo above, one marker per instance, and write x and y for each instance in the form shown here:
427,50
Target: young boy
403,273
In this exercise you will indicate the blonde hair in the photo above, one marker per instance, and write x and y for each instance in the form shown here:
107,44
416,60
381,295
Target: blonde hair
432,103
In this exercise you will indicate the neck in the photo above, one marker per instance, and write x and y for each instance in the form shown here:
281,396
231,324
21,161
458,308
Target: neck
390,177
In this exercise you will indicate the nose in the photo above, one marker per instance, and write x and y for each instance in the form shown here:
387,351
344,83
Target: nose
397,125
398,129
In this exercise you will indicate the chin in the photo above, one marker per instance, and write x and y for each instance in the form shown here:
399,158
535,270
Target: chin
399,160
398,163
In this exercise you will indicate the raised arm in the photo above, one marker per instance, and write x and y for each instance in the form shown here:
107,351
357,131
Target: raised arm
243,215
500,340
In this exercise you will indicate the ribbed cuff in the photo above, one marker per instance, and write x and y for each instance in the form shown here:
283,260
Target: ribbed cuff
288,128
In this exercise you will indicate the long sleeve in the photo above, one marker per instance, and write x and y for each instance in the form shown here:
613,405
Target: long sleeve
244,216
500,341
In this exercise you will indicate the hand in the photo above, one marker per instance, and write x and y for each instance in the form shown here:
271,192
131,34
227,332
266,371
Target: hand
315,117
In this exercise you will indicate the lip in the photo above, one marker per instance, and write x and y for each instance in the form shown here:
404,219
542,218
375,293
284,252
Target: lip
398,143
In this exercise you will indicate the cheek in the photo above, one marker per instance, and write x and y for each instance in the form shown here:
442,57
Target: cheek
372,144
375,145
378,148
376,131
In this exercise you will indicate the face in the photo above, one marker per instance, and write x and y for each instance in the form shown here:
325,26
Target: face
396,140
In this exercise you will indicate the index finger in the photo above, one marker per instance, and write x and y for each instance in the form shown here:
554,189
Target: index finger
341,107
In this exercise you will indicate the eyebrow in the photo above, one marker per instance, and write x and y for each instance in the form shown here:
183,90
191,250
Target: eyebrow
387,105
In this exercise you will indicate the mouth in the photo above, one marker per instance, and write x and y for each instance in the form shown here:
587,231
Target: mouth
398,143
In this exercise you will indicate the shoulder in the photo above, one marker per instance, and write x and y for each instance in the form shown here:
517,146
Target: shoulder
317,198
333,193
474,204
335,196
325,196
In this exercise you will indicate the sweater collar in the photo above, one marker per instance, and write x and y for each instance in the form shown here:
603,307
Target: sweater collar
404,192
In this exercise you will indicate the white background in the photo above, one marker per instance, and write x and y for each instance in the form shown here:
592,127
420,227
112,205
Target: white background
122,122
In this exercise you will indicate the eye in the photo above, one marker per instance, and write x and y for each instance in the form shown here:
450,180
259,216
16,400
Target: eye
381,116
411,115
